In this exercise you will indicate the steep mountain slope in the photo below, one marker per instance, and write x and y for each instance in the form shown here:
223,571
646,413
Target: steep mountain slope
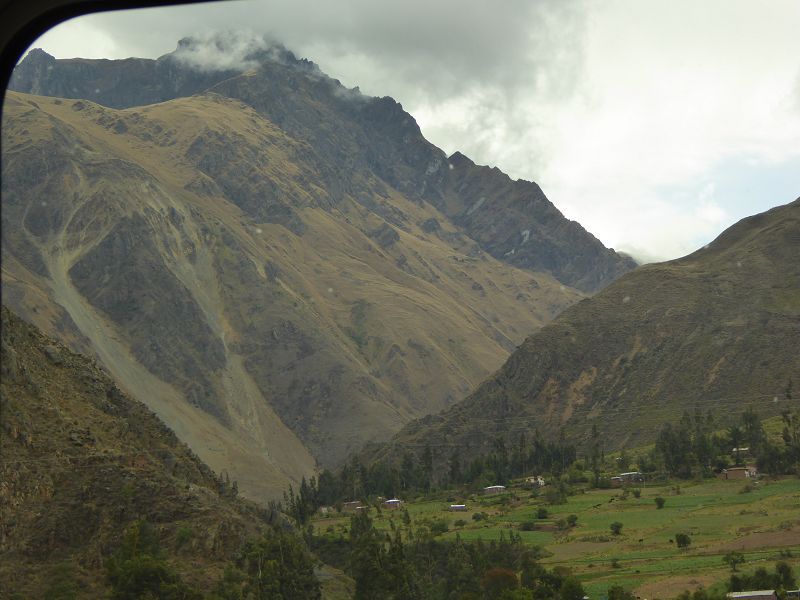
352,138
144,236
717,330
81,462
280,267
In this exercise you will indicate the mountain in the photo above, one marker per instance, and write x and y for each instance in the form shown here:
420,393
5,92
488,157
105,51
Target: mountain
351,136
82,462
717,331
278,266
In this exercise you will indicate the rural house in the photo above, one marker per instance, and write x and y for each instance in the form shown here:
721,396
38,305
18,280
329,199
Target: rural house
748,472
458,508
393,504
493,489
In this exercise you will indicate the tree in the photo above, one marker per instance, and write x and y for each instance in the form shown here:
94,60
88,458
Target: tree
616,528
682,540
139,569
617,592
735,437
572,520
278,565
571,589
367,559
498,579
660,502
733,559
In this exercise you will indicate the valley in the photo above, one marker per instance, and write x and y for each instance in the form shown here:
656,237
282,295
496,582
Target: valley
243,307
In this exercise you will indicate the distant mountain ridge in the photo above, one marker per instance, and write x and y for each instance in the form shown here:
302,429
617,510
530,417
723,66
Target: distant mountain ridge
280,267
717,331
364,133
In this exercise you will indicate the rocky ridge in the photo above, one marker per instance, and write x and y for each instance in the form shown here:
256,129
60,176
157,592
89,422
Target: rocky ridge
713,331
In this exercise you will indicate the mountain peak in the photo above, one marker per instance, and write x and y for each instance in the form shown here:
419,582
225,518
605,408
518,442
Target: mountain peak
232,51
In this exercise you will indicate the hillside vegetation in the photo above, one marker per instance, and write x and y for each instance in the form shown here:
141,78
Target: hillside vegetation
715,331
84,468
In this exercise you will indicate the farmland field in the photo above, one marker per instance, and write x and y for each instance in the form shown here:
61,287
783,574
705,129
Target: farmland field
760,520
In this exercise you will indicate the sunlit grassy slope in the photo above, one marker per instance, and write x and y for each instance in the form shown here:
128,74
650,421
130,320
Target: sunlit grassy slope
198,251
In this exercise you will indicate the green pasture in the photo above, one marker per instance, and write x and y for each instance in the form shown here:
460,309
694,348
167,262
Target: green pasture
762,521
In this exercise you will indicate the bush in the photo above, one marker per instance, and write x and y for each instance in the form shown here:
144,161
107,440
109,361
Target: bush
617,592
527,526
637,493
733,559
497,579
683,540
616,528
459,523
542,513
479,516
660,502
561,524
572,520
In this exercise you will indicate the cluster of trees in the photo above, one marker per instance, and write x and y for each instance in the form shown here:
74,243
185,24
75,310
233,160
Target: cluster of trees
781,580
420,567
276,566
692,445
427,472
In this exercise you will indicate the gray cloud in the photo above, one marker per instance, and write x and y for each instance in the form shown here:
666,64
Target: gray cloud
604,104
428,50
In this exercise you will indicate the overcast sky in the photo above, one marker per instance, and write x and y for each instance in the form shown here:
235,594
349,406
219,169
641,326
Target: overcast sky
655,124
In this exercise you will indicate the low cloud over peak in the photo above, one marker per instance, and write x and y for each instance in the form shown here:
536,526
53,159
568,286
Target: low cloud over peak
624,112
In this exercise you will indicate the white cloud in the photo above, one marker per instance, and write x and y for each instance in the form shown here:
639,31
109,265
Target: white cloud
623,110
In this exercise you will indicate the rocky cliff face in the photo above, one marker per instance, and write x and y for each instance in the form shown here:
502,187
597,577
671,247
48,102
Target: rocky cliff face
280,267
353,138
82,461
716,330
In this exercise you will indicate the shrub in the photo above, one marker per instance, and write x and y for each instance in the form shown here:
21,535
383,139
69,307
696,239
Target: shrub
660,502
459,523
572,520
497,580
479,516
637,493
733,559
683,540
527,526
542,513
616,528
617,592
183,535
561,524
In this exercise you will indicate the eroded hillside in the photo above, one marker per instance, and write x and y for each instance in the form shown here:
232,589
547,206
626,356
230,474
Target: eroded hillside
715,331
81,462
148,237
